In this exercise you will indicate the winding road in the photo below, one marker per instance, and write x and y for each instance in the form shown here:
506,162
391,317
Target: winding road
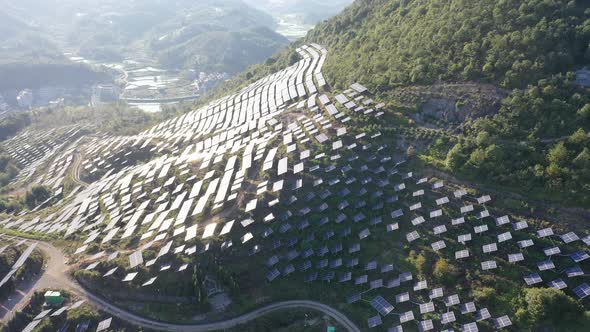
56,276
76,170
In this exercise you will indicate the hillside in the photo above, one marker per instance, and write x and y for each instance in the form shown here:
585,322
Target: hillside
482,50
22,42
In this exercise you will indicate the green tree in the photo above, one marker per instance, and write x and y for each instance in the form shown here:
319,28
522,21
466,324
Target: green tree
455,157
548,307
558,155
36,195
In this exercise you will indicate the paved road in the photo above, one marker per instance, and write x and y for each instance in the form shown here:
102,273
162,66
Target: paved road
56,276
76,170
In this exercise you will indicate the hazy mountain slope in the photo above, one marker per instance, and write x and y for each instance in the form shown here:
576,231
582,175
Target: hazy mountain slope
172,31
22,41
311,11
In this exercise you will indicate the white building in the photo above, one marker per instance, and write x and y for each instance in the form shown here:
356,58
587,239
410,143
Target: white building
25,98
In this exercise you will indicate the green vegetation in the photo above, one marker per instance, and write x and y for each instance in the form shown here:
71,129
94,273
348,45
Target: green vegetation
12,123
538,141
385,44
8,170
32,266
114,119
549,309
222,51
36,196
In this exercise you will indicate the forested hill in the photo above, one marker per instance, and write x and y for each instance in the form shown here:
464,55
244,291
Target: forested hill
536,141
388,43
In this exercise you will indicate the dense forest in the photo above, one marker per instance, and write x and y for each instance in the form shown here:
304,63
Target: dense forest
529,49
386,44
539,142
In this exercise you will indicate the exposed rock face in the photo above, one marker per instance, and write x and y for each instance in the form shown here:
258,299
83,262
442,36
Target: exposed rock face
452,103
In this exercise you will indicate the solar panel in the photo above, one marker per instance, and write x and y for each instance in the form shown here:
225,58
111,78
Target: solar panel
488,248
273,274
467,308
545,265
524,243
425,325
517,257
488,265
579,256
381,305
551,251
480,229
436,293
452,300
582,290
418,220
420,285
569,237
439,229
405,276
504,237
458,221
403,297
353,298
447,317
502,322
130,277
135,259
574,271
360,280
395,329
484,199
105,324
311,277
545,232
42,314
532,279
464,238
392,227
557,284
483,214
412,236
436,213
438,245
462,254
469,327
482,314
426,307
374,321
502,220
406,316
31,326
466,208
520,225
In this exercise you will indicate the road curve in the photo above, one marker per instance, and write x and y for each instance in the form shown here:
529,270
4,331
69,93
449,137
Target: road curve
56,275
76,170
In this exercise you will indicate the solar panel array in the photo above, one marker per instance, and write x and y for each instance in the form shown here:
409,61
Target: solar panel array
274,173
